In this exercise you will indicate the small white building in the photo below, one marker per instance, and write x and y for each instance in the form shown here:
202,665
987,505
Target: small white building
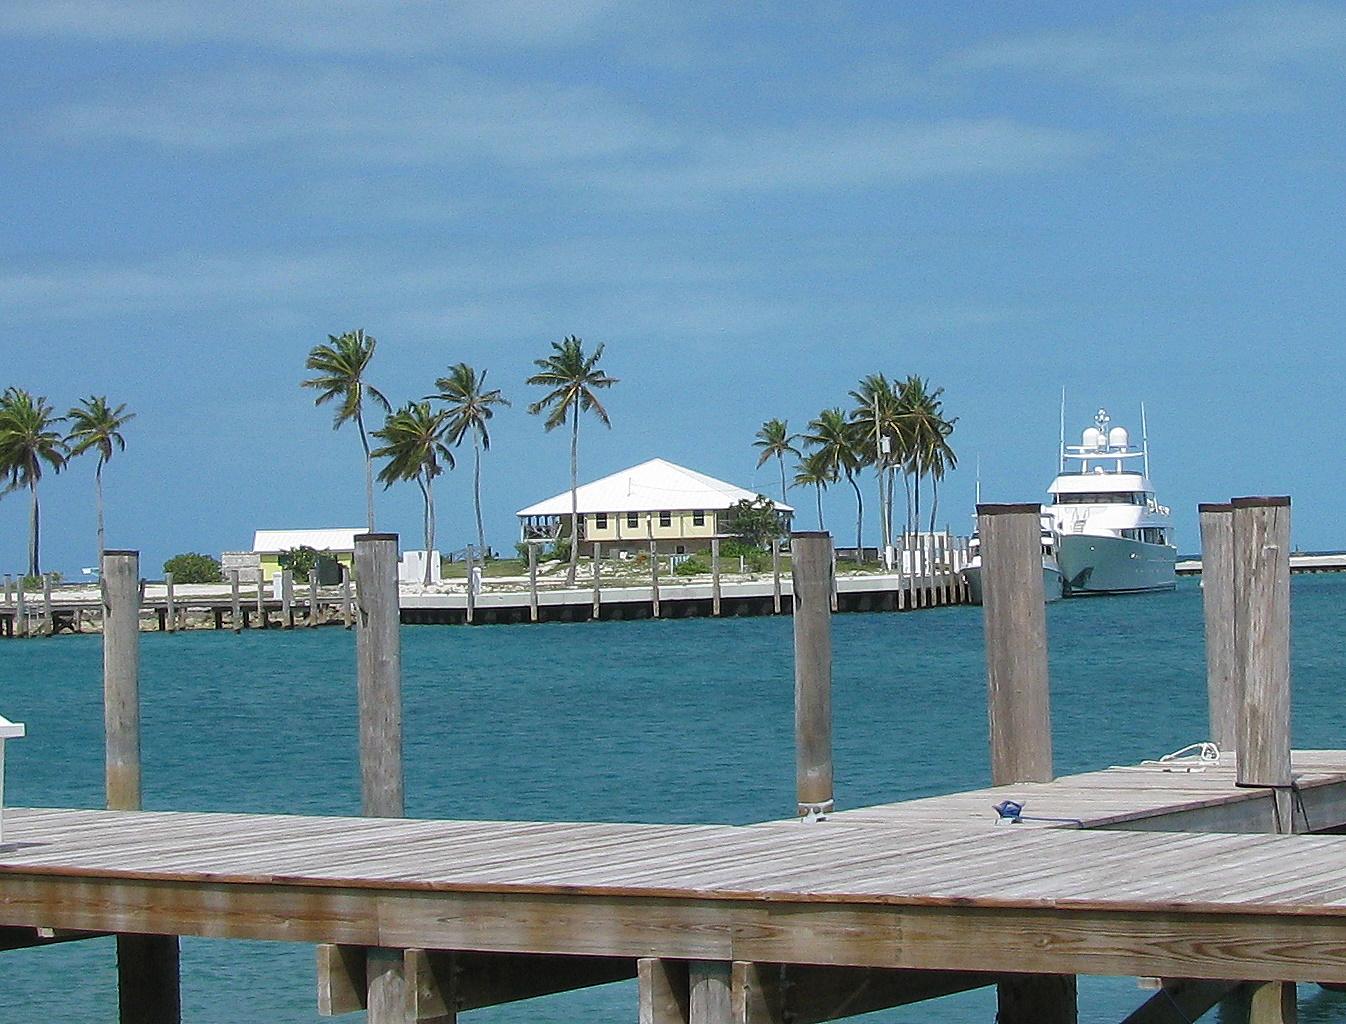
677,508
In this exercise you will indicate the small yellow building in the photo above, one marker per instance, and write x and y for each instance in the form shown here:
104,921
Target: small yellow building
269,545
679,509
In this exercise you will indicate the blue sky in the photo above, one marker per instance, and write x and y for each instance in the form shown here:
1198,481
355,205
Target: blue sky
751,204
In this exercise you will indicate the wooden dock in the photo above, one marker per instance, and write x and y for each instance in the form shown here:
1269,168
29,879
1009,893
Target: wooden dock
931,894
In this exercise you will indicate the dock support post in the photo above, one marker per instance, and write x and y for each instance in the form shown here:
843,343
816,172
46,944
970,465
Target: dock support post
812,571
708,992
532,582
286,599
235,603
469,555
147,965
1217,602
662,985
347,618
1020,707
378,645
715,576
312,598
1261,545
1016,643
598,592
170,604
261,600
1037,998
775,575
21,611
47,612
1273,1002
654,578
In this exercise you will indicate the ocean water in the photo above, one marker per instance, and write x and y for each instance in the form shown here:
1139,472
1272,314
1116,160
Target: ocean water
662,721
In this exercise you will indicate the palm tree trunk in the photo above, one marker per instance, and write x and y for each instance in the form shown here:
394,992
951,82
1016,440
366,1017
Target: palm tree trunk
476,492
34,568
859,517
574,498
934,502
428,493
781,459
369,472
98,490
819,489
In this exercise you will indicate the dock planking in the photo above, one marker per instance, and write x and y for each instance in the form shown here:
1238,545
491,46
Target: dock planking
933,883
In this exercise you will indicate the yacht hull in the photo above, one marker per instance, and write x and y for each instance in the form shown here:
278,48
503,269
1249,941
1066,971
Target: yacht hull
1114,565
1052,589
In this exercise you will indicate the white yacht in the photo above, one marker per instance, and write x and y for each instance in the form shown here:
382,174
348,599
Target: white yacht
1112,536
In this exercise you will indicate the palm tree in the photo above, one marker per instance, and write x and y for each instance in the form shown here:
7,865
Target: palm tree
841,446
815,470
469,410
415,450
775,441
97,426
341,366
573,378
929,453
879,418
27,440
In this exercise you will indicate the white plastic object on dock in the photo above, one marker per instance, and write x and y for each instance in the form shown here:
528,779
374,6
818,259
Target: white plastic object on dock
8,731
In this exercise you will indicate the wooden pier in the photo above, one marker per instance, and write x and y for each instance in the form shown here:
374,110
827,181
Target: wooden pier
1222,878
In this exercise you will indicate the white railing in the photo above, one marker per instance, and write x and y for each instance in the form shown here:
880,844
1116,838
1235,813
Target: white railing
8,731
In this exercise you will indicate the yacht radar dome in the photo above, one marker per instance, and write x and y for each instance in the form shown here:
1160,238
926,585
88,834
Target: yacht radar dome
1119,438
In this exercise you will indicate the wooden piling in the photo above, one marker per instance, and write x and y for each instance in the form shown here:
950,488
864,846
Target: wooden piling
286,599
598,593
170,619
347,616
378,644
654,579
235,602
1016,643
775,575
1261,546
48,614
147,965
471,604
532,582
708,992
121,677
715,576
261,601
20,610
812,571
312,598
1217,602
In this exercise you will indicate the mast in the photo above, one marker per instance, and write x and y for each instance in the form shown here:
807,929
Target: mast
1062,469
1144,441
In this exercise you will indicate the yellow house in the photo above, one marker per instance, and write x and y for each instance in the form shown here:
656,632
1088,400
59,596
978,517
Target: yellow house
269,545
677,508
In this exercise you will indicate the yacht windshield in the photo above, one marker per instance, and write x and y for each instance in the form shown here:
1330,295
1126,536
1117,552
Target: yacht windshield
1102,498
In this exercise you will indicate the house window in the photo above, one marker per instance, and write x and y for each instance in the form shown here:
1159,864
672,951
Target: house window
633,519
600,521
665,519
699,518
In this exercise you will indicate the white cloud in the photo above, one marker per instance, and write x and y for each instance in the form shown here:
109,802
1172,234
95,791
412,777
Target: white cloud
1242,60
312,26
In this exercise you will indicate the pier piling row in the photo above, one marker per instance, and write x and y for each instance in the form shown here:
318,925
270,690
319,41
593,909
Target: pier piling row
1186,876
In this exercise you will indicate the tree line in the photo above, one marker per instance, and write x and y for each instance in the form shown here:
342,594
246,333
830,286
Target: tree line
31,441
897,427
419,435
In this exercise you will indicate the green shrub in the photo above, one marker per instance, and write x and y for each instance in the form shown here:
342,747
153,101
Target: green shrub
693,566
192,567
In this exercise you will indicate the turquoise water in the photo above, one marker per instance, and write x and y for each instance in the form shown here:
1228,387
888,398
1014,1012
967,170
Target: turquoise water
664,721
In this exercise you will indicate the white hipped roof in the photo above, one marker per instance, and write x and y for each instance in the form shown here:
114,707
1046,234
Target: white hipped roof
271,542
654,486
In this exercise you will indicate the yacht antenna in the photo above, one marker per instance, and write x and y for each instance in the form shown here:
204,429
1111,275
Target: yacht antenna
1063,429
1144,441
